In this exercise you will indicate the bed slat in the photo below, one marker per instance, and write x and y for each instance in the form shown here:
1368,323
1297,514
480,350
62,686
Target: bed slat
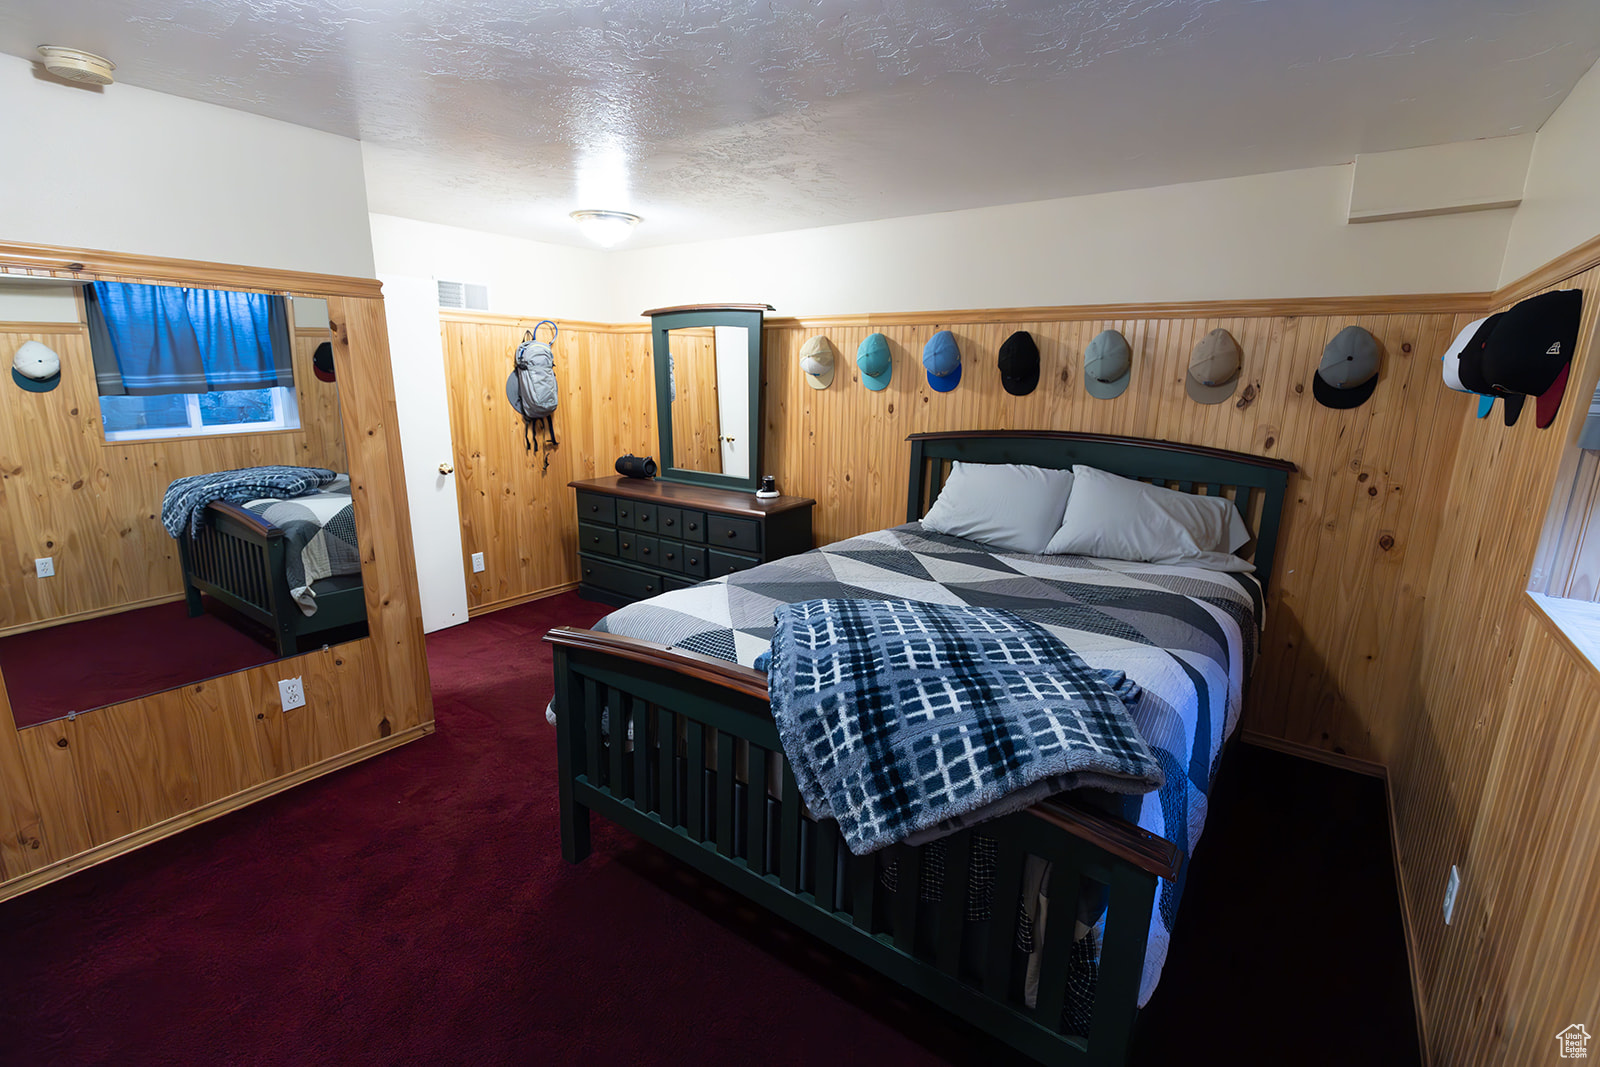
724,809
619,705
667,762
641,755
1056,949
863,872
1003,919
755,796
953,902
908,888
591,716
827,838
695,750
789,860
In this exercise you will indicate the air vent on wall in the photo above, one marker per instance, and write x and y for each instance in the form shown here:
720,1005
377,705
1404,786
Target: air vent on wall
463,295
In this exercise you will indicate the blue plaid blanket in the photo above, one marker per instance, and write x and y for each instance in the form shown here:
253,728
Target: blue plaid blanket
901,718
183,509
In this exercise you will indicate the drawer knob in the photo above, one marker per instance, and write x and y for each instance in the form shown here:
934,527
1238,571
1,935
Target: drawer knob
671,521
671,556
645,550
588,571
644,516
694,526
594,507
596,539
733,533
649,589
624,544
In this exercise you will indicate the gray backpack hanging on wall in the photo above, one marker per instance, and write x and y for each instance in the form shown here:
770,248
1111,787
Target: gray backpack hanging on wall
531,388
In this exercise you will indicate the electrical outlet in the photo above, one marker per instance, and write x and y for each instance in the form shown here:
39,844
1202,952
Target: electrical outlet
477,563
1451,887
45,568
292,693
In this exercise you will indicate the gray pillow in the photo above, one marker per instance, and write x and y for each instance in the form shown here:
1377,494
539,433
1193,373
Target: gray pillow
1111,517
1008,506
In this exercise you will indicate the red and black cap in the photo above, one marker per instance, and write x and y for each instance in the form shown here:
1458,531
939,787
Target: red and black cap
1530,351
322,362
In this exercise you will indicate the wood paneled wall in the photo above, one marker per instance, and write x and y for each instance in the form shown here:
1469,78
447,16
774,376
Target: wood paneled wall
75,793
514,510
95,506
1498,768
696,422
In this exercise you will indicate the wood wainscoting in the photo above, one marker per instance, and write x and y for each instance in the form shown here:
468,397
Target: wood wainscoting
77,792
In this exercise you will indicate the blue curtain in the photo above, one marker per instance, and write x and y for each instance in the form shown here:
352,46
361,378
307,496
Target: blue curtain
154,339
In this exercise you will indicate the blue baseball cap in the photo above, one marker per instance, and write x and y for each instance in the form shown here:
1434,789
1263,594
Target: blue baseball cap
875,362
942,359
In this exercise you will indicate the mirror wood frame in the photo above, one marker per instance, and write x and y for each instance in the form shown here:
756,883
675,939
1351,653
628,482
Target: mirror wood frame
75,792
690,316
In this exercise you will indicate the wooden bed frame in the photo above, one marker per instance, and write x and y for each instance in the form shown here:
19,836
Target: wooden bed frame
238,558
616,698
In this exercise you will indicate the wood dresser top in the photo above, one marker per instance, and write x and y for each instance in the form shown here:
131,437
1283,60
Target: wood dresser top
670,494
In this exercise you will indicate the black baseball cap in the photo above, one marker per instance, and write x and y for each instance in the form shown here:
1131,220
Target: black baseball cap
1530,351
1019,364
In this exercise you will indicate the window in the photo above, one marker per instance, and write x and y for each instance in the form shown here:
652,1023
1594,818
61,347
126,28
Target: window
1565,578
183,362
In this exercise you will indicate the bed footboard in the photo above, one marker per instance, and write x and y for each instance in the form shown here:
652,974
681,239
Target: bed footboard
682,750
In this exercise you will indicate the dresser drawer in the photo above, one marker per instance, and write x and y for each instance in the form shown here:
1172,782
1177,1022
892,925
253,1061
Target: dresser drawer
669,522
601,540
645,516
619,579
597,508
728,562
725,532
693,524
647,549
673,583
625,512
671,556
694,561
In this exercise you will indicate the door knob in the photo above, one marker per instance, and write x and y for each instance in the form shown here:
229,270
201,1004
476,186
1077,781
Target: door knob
447,468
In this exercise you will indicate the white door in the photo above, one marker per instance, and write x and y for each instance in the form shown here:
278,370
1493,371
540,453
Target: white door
412,307
733,398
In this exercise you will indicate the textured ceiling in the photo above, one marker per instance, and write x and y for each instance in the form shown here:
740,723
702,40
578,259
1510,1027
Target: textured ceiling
720,118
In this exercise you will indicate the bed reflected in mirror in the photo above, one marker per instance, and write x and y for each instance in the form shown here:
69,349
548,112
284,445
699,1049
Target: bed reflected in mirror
182,485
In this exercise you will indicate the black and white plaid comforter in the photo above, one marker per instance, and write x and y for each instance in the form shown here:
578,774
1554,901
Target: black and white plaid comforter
902,718
1186,635
319,537
183,506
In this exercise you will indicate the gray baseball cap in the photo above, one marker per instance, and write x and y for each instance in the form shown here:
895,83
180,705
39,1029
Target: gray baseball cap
816,362
1107,365
1349,370
1214,368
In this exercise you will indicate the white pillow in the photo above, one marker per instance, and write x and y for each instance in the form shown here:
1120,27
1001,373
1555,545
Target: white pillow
1110,517
1008,506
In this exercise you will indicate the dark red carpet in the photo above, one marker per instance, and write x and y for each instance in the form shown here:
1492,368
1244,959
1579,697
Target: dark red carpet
96,662
415,909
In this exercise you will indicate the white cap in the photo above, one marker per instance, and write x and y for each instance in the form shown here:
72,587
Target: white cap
1452,356
35,367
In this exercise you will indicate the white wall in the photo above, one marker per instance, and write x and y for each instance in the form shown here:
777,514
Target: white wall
24,300
524,277
130,170
1269,235
1561,201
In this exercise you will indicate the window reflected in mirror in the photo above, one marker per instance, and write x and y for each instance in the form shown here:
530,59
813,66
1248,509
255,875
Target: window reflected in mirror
177,500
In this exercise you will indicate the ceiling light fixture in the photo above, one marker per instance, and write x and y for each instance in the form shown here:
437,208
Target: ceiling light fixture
606,228
76,65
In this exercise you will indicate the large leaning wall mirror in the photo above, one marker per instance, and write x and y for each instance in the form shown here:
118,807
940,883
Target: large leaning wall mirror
176,495
707,362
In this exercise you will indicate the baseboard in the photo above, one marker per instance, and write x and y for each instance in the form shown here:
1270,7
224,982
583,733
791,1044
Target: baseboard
167,827
521,598
1405,923
92,613
1318,755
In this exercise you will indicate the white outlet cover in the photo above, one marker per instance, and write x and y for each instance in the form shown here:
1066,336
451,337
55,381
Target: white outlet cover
477,562
291,693
45,568
1451,887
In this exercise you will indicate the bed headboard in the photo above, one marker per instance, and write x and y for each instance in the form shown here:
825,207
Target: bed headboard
1256,484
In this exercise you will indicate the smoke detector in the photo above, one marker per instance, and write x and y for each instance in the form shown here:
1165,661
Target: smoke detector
76,65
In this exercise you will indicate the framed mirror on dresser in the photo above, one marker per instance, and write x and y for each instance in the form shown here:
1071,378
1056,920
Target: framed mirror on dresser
700,519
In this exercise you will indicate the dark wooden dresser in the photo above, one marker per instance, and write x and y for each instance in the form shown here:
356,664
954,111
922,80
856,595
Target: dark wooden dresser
639,537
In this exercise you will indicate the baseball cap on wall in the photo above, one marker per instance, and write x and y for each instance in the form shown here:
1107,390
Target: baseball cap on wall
1469,368
816,362
1019,364
36,367
1530,351
1214,368
1349,370
942,359
1107,365
875,362
322,362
